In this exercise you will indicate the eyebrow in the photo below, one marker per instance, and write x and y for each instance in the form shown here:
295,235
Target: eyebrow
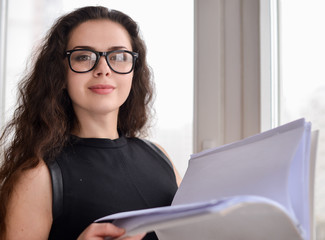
109,49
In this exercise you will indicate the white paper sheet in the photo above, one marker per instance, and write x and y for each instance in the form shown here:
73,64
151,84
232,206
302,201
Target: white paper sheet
261,165
176,218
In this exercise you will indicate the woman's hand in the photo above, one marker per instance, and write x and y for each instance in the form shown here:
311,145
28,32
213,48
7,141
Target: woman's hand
98,231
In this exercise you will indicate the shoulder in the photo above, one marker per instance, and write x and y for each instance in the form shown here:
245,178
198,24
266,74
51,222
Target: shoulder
160,148
31,199
33,181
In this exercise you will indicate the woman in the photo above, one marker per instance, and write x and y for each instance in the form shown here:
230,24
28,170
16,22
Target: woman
82,108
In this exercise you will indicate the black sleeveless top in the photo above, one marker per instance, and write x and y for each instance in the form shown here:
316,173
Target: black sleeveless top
102,177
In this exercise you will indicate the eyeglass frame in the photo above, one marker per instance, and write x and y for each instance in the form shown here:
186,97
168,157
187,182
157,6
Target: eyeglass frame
98,56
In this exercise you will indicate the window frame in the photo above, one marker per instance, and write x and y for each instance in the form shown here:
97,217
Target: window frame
227,72
270,83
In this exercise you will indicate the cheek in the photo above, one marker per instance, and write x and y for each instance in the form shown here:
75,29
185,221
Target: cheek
70,83
128,85
124,81
73,86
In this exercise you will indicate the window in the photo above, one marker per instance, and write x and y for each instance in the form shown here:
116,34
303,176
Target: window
169,39
302,79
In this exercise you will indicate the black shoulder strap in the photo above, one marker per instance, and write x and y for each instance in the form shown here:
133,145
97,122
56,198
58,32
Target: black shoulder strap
57,189
158,151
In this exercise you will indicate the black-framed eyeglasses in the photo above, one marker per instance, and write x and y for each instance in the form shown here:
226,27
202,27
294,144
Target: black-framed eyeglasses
85,60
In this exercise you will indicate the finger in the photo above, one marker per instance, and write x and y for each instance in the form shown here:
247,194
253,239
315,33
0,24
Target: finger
135,237
106,229
101,230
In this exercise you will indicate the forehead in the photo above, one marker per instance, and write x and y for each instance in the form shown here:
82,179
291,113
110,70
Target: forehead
100,35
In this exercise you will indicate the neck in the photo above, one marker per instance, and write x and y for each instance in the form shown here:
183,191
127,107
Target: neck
96,133
97,127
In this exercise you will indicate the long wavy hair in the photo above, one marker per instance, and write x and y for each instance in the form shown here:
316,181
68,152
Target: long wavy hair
44,117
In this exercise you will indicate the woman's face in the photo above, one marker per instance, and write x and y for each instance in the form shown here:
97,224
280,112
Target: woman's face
100,91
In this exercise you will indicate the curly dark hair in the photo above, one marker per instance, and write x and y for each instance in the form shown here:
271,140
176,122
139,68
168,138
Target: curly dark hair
44,118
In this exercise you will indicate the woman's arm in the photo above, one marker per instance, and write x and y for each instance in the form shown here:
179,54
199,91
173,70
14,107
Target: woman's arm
29,211
178,176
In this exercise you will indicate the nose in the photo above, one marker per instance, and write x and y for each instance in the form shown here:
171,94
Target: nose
102,68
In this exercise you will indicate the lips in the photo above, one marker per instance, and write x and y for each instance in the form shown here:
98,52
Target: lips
102,89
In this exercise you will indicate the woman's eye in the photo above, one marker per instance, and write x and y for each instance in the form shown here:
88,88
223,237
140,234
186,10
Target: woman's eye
121,57
82,58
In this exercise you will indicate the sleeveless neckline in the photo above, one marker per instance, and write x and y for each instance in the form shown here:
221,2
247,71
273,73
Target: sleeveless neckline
99,142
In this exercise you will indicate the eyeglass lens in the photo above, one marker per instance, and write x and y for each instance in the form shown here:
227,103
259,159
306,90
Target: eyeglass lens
85,60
